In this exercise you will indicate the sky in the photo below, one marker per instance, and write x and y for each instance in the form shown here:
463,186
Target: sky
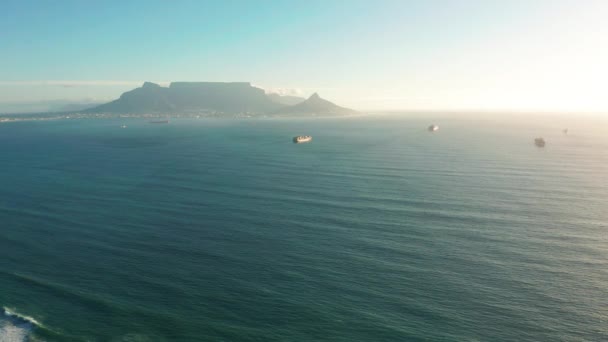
513,55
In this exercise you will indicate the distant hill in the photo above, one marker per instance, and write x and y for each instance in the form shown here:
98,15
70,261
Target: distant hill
316,105
73,107
45,106
214,97
286,100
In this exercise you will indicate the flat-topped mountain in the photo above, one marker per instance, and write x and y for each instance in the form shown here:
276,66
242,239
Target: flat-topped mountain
214,97
180,97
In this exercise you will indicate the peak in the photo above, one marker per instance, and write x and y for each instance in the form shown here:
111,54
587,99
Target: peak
314,96
150,85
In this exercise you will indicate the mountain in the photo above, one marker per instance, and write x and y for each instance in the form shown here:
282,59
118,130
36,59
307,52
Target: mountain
286,100
317,106
187,97
214,98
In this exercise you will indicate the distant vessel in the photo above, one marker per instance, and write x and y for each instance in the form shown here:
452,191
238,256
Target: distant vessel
159,121
302,139
123,126
540,142
565,131
433,128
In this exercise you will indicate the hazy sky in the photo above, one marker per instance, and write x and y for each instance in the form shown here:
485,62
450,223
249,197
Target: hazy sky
507,54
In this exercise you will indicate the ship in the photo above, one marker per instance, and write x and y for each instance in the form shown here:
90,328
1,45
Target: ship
433,128
159,121
540,142
302,139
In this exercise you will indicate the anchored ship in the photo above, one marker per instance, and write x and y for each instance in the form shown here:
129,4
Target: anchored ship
159,121
540,142
433,128
302,139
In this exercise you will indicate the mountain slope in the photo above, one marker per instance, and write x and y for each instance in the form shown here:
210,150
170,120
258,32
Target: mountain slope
150,98
315,105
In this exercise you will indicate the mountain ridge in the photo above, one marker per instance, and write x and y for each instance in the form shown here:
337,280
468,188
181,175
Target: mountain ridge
215,98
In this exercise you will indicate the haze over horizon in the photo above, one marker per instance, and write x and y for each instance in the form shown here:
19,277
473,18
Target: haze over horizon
410,55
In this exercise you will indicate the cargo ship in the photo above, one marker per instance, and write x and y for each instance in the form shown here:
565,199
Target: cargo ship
302,139
540,142
159,121
433,128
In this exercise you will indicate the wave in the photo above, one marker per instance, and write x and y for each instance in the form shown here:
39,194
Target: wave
33,330
15,327
19,317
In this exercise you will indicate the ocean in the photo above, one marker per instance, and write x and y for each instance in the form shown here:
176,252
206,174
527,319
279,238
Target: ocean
377,230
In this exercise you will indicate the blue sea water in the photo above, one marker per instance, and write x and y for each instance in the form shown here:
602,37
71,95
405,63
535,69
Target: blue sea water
224,230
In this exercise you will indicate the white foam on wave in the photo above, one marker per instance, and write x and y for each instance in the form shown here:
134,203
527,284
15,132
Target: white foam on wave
15,327
14,314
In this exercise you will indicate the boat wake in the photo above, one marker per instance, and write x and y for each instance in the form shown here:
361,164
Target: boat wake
15,327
